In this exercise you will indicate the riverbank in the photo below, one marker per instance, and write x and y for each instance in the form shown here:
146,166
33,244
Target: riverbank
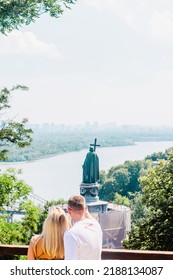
61,153
60,176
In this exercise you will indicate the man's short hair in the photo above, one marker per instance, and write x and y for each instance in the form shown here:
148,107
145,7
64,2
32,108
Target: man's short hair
76,202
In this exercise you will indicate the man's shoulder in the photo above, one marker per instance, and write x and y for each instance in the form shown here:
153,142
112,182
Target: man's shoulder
89,223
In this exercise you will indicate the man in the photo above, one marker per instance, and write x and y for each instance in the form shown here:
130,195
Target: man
83,241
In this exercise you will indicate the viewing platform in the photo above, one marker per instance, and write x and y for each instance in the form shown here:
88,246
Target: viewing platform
107,254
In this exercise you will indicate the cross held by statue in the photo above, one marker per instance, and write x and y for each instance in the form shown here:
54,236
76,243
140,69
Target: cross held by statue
95,144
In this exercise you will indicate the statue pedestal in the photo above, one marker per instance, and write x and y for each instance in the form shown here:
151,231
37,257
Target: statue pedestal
90,192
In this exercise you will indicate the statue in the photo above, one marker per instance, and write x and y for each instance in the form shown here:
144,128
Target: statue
89,188
91,166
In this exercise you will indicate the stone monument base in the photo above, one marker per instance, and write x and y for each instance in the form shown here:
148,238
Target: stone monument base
90,192
97,207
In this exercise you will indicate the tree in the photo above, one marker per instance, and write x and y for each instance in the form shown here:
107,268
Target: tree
14,194
107,190
157,156
30,222
134,169
15,13
13,191
139,210
154,231
20,232
122,179
121,200
11,132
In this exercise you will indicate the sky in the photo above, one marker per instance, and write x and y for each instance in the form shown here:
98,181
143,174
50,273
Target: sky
105,61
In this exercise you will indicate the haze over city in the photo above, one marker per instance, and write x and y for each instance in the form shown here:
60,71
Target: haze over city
106,61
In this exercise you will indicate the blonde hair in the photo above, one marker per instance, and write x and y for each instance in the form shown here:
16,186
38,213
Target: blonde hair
54,227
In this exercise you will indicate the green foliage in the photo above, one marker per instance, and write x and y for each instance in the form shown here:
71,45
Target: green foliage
10,233
139,210
121,200
15,13
134,168
122,179
11,132
12,190
30,221
5,95
14,196
103,177
19,232
157,156
154,229
107,190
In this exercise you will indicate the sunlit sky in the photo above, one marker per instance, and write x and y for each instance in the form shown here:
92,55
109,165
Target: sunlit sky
105,61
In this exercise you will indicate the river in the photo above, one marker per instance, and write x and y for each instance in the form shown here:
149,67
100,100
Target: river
60,176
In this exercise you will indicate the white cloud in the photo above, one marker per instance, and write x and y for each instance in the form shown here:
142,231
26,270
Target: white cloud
18,42
162,25
116,7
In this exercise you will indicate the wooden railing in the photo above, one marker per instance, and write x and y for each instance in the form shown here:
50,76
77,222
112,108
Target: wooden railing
107,254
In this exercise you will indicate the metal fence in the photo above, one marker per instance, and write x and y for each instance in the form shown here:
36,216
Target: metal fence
115,225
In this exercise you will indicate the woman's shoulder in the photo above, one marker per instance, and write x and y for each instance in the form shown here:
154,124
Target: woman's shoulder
35,238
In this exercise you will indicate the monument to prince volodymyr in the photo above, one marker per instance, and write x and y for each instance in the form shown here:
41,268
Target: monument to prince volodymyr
90,178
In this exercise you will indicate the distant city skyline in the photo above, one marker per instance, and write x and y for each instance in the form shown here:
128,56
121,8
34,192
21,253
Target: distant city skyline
109,61
95,125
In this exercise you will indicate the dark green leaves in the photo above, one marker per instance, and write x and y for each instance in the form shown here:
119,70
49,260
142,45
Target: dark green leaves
12,132
15,13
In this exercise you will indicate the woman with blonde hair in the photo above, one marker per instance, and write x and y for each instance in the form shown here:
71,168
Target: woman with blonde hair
49,244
